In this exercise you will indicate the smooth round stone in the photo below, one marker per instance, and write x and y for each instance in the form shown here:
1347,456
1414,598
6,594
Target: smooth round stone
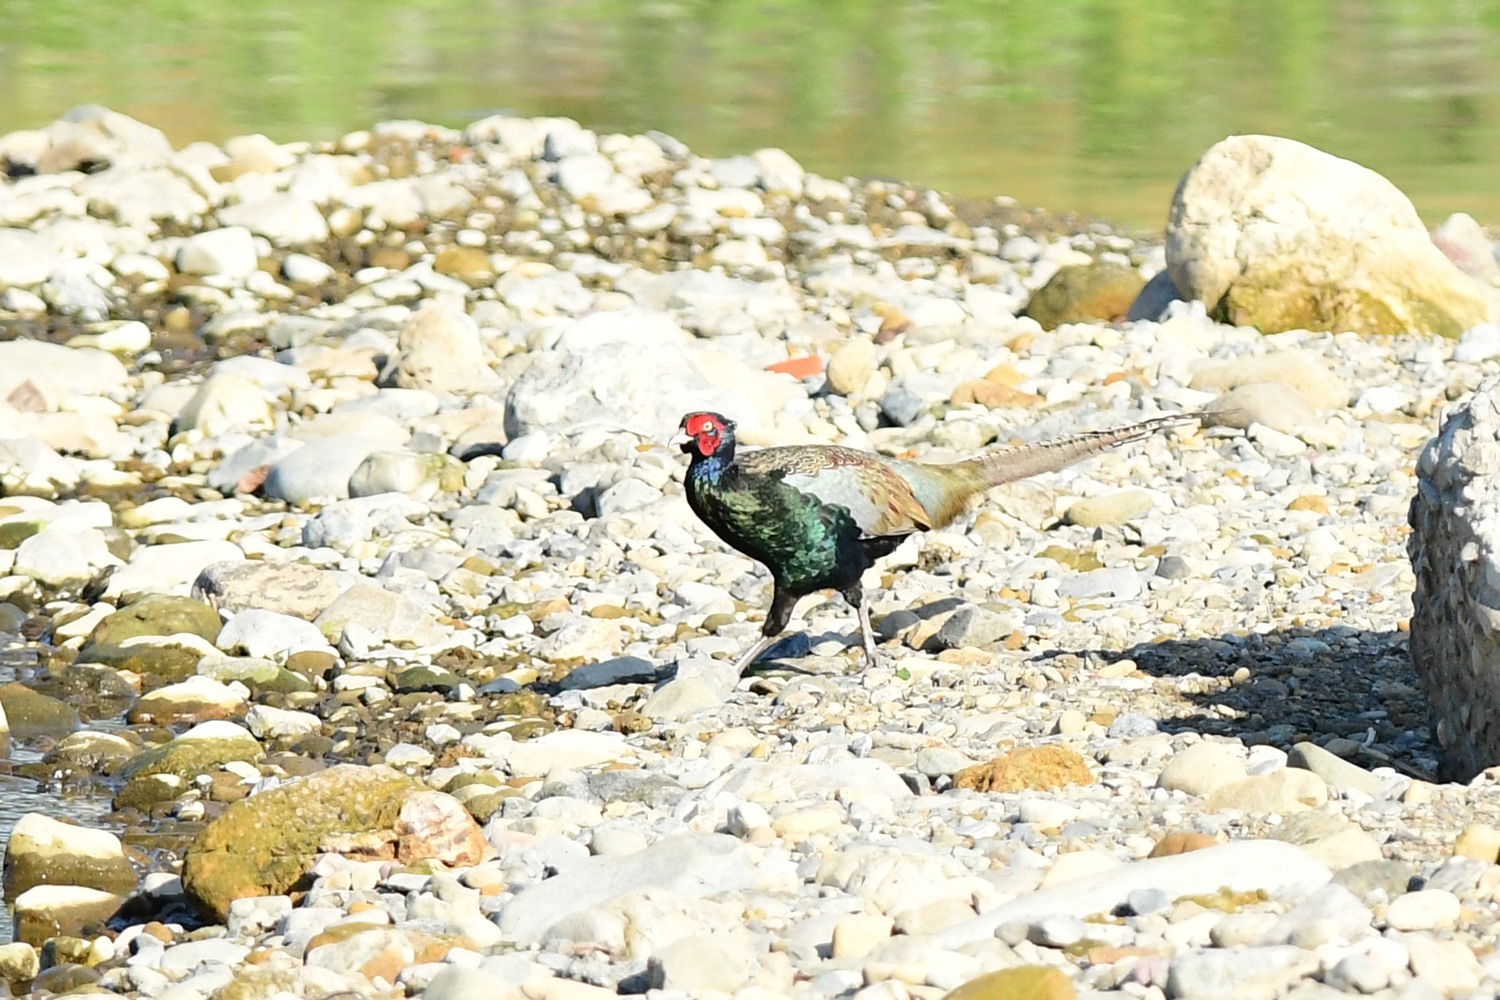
1423,910
226,252
1202,768
1057,931
300,269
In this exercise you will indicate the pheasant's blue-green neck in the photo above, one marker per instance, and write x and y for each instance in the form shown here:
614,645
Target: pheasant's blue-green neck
710,469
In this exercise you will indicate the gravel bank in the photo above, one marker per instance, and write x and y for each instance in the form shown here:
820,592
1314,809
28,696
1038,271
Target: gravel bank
397,407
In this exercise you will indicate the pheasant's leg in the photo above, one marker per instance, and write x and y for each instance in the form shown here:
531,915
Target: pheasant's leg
855,595
777,617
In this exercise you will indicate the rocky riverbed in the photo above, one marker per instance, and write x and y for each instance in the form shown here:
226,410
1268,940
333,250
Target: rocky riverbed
342,548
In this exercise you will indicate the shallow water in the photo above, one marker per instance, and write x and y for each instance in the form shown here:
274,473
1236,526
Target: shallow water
1091,106
19,796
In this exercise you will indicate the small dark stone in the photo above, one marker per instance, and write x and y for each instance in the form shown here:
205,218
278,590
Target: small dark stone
901,406
1173,568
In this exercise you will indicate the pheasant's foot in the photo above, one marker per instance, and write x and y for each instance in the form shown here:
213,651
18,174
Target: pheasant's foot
867,636
750,655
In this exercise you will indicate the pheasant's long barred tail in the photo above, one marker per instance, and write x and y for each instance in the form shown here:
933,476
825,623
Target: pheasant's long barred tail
1006,465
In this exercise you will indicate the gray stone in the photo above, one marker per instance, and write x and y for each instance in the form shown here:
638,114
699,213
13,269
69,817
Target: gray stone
696,963
319,470
616,670
1284,790
1205,975
225,402
638,371
439,349
25,259
1339,774
975,626
1243,865
689,865
415,474
1424,910
58,372
1116,508
79,288
1455,521
290,588
680,699
1116,582
243,470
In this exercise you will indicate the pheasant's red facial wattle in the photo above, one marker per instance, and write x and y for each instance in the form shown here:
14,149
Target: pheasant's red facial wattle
705,432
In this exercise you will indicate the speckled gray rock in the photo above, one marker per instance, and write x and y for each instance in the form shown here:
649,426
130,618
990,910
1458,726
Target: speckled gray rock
1455,554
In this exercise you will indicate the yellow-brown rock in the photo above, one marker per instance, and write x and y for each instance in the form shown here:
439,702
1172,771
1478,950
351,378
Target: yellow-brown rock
1024,982
1036,768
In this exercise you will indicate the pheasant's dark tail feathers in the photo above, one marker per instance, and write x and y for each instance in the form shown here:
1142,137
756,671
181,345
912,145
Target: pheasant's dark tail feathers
1010,464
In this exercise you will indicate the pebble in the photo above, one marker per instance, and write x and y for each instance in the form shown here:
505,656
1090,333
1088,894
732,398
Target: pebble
1423,910
432,504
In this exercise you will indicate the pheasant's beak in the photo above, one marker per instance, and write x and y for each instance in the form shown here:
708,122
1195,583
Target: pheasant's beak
680,441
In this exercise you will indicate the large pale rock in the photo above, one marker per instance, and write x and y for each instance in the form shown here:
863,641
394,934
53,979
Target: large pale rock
168,568
227,252
642,372
1278,869
289,588
1455,554
43,851
1271,233
91,136
59,372
439,349
689,865
226,402
319,470
48,911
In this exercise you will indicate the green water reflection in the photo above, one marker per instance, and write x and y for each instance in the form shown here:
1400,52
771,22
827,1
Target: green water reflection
1076,105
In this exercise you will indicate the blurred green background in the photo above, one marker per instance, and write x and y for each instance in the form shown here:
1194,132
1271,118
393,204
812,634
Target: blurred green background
1089,106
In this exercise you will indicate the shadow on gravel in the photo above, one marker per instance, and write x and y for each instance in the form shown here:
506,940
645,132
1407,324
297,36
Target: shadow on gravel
1292,685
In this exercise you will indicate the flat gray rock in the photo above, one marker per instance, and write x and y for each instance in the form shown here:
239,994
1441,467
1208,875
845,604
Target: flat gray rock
1241,865
691,865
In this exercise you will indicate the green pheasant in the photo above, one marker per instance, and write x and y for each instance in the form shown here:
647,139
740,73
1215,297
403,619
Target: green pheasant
818,516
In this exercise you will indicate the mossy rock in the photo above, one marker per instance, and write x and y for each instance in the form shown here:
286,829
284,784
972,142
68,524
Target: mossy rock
1274,300
157,614
418,678
192,754
1023,982
147,790
520,703
160,660
154,616
44,851
312,662
13,533
83,756
33,714
97,691
260,676
1086,293
261,846
46,911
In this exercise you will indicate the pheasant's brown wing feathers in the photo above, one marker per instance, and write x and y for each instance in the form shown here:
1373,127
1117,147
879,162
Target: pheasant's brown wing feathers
877,497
